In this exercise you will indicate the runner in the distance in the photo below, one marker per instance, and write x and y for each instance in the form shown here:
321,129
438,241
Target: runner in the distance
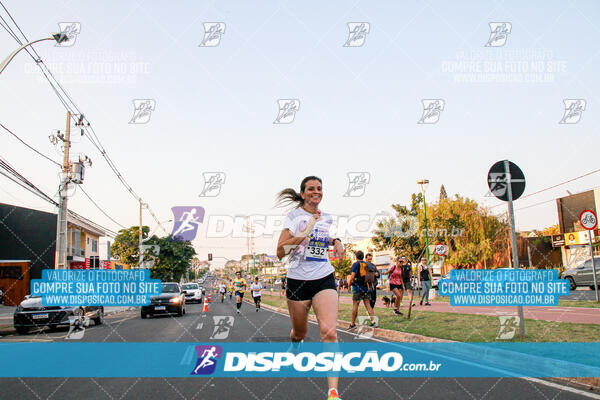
310,279
255,288
239,285
230,288
222,290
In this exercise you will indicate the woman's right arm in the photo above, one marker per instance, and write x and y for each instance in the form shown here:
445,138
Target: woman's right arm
287,241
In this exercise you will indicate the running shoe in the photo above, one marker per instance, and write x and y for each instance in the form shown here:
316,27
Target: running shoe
238,311
397,312
351,327
374,324
257,310
295,347
427,304
333,395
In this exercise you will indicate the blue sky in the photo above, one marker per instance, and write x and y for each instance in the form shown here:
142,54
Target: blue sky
359,106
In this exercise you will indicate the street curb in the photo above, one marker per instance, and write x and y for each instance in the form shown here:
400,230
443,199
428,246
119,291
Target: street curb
380,333
397,336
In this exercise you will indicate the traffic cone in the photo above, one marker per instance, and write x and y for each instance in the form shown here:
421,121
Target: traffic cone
209,298
205,307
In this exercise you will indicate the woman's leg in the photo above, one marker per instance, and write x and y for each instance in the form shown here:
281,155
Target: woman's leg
326,309
398,294
299,317
426,287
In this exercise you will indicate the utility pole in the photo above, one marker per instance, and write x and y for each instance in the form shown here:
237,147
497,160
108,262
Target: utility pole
61,223
141,255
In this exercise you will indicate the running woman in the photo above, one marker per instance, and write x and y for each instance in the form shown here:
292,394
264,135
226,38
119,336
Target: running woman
222,290
230,288
239,284
310,281
255,288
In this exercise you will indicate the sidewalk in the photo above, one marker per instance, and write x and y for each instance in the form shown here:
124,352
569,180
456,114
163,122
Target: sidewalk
578,315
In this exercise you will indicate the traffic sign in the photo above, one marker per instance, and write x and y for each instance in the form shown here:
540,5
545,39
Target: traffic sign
498,180
441,249
588,220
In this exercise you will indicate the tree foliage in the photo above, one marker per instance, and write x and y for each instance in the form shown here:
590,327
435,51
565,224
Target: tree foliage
342,266
472,233
170,264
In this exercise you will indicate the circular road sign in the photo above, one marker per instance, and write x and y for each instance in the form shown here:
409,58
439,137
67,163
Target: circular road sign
498,180
588,220
441,249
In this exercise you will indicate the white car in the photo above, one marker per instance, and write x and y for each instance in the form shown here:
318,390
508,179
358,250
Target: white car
193,292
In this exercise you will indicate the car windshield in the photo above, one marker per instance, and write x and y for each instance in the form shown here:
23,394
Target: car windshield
170,288
190,286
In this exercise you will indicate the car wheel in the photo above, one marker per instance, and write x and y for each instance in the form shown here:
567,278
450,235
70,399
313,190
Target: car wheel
99,320
572,284
144,315
180,311
22,330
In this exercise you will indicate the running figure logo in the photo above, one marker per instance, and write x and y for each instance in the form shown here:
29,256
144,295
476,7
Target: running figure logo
498,184
71,30
432,108
498,34
186,223
287,111
357,183
357,33
142,110
207,359
508,327
212,183
573,110
77,325
223,325
212,34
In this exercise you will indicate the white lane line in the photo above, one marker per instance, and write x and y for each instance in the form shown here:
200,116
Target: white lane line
536,380
199,325
564,388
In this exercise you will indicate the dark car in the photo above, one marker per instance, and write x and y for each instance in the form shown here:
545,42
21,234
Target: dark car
32,314
170,301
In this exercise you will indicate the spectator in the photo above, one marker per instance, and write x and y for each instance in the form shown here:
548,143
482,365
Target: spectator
396,284
424,276
369,260
360,289
406,279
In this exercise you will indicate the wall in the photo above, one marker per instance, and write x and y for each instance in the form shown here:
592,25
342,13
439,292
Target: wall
27,234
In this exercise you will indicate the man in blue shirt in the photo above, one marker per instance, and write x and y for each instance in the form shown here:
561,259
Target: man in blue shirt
360,290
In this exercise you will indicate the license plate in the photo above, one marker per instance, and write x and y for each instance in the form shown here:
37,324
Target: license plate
39,316
158,308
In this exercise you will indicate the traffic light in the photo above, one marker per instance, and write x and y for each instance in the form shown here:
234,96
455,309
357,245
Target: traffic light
209,256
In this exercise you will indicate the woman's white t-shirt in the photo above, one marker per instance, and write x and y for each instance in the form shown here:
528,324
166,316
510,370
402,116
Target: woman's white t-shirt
256,288
309,260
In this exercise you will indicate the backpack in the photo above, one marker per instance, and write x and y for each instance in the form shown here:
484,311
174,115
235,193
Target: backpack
367,275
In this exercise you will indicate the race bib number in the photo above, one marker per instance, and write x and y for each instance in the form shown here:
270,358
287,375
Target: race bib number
318,246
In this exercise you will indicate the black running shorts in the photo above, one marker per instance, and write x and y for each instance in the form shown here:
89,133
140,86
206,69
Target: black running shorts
300,290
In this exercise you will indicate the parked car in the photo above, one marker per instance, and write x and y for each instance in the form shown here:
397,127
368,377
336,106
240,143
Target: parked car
193,292
32,314
170,301
582,274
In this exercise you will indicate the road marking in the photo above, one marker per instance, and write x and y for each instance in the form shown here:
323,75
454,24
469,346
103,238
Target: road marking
199,325
564,388
536,380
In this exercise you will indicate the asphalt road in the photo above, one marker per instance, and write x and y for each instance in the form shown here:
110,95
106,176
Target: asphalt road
264,326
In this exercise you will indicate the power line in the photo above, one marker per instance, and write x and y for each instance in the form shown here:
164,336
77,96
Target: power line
99,208
94,140
30,147
552,187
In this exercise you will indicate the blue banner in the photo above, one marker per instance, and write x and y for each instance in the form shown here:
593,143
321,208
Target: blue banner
305,360
503,287
95,287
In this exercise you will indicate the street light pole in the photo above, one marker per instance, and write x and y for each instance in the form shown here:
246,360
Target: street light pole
58,37
424,183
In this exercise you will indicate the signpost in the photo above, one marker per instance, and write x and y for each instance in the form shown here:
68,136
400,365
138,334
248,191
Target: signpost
589,221
507,182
